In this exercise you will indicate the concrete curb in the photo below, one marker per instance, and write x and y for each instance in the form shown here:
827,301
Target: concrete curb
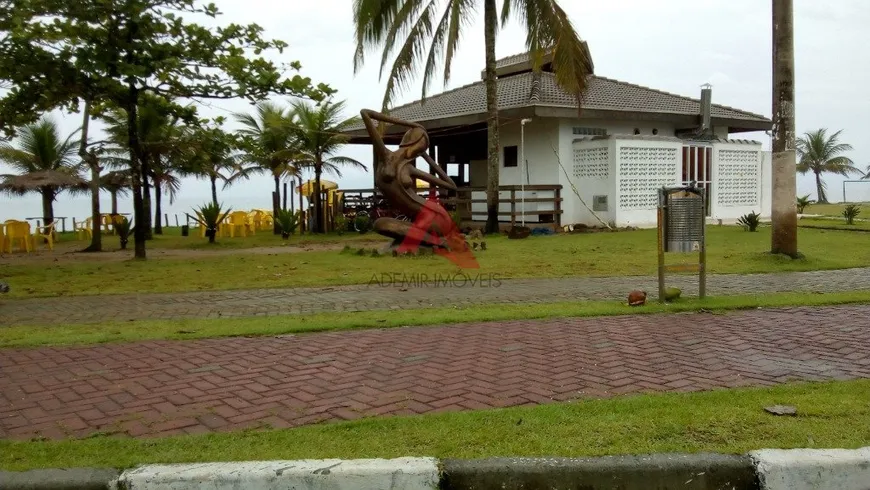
332,474
660,471
59,479
799,469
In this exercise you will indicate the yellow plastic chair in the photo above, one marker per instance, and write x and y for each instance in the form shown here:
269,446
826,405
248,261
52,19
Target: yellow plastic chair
45,234
237,220
107,224
18,231
84,229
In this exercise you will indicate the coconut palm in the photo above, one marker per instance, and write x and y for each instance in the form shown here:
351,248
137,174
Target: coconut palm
428,31
268,144
818,153
867,175
45,163
318,131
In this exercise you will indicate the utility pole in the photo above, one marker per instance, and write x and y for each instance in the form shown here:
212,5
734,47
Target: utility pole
784,161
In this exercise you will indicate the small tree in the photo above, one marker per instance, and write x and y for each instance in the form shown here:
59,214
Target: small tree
55,53
803,202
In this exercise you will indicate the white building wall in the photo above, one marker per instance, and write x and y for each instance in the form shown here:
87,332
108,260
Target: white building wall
593,173
766,185
643,166
737,180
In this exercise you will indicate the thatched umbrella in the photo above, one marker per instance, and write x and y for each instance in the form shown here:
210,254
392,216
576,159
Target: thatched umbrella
116,182
36,181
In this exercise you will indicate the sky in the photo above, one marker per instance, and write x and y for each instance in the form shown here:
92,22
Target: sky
675,46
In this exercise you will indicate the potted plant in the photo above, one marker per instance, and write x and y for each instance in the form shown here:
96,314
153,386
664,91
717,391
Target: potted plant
287,221
210,216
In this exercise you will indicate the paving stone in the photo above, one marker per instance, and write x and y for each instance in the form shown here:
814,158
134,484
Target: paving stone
303,301
267,382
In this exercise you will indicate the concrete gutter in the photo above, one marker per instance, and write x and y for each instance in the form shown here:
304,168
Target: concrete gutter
659,471
835,469
67,479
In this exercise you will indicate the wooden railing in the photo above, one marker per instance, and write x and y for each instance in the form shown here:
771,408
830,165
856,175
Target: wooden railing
543,203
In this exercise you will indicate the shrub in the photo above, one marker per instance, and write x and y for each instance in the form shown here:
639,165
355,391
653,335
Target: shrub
287,221
803,202
456,215
750,221
362,223
210,216
340,224
851,212
124,229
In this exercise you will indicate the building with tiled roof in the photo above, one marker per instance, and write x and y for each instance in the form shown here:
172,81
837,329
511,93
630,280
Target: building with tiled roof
622,143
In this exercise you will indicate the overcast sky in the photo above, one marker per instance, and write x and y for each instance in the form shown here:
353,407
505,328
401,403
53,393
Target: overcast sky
675,45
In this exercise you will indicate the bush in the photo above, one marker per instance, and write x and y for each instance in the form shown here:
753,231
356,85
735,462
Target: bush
851,212
803,202
456,215
124,229
340,224
287,221
362,223
750,221
210,216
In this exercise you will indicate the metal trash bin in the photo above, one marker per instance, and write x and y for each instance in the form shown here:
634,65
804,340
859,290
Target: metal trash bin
185,230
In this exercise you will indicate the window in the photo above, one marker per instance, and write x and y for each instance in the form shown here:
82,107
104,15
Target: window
510,156
590,131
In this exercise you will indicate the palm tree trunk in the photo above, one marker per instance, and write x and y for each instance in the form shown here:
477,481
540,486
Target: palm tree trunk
48,205
276,198
114,202
214,189
318,201
158,194
784,196
820,189
490,20
91,159
146,199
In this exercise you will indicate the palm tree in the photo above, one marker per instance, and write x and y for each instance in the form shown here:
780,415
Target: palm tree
822,154
867,175
165,181
213,157
161,142
44,160
116,182
439,24
318,131
268,144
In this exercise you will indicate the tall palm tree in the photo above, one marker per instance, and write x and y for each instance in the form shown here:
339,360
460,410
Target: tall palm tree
116,182
52,162
438,24
318,131
163,175
818,153
784,239
269,145
867,175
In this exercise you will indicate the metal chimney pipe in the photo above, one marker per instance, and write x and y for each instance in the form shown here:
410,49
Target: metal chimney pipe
706,107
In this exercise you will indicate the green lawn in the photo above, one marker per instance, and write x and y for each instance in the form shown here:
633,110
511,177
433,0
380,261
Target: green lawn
839,224
121,331
832,414
731,250
834,209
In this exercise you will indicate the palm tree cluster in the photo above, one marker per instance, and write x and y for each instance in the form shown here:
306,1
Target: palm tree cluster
279,141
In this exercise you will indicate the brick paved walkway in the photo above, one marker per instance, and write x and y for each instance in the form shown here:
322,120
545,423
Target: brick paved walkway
163,388
81,309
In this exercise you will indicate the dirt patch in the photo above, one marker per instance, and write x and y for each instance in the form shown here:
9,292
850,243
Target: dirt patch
70,252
